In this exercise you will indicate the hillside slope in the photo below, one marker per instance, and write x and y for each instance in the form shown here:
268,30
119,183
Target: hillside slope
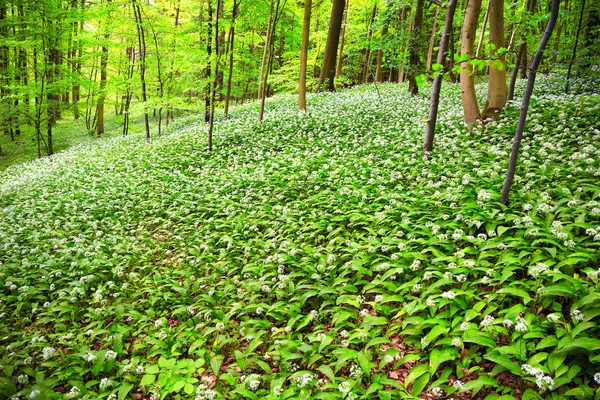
315,255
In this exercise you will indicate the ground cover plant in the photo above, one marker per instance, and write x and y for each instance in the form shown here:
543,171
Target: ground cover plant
315,255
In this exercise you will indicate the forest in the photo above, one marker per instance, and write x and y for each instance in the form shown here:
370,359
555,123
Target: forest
273,199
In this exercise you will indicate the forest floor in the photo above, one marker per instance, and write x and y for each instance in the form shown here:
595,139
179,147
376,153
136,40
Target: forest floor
315,255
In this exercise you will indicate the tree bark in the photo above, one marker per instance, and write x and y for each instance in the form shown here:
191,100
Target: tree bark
432,39
437,81
537,59
521,56
216,80
207,71
415,61
142,65
378,70
575,46
497,89
267,57
467,84
367,64
327,76
486,16
304,55
231,42
338,69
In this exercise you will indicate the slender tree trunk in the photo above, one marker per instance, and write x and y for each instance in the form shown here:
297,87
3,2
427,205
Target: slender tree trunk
432,39
537,59
486,16
102,94
574,55
467,83
215,81
378,71
437,81
304,55
327,76
367,64
497,89
267,57
415,60
142,49
231,42
208,72
340,60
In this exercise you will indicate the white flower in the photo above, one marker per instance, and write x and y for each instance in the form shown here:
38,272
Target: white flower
430,302
105,383
344,387
507,323
321,337
456,342
355,371
34,393
577,315
464,326
259,310
458,385
278,390
544,382
448,295
521,325
304,380
47,352
553,318
487,321
204,393
23,379
437,391
388,359
597,377
110,355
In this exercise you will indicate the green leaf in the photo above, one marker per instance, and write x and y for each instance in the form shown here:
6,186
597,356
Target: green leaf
516,292
419,384
240,359
548,341
437,357
215,364
480,339
505,362
147,379
557,290
434,333
476,385
579,345
327,371
415,372
124,390
364,360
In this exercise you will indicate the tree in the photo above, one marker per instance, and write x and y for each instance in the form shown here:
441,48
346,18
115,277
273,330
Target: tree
414,46
304,55
537,59
467,84
497,89
327,76
437,81
141,36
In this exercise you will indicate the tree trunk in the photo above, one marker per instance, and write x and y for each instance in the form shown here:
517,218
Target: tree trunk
432,39
521,56
142,49
338,69
327,76
102,94
537,59
497,89
415,61
486,16
378,71
575,46
304,55
467,84
216,80
207,71
437,81
267,58
231,42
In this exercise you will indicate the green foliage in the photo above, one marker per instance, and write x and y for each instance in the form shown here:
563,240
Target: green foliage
315,255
